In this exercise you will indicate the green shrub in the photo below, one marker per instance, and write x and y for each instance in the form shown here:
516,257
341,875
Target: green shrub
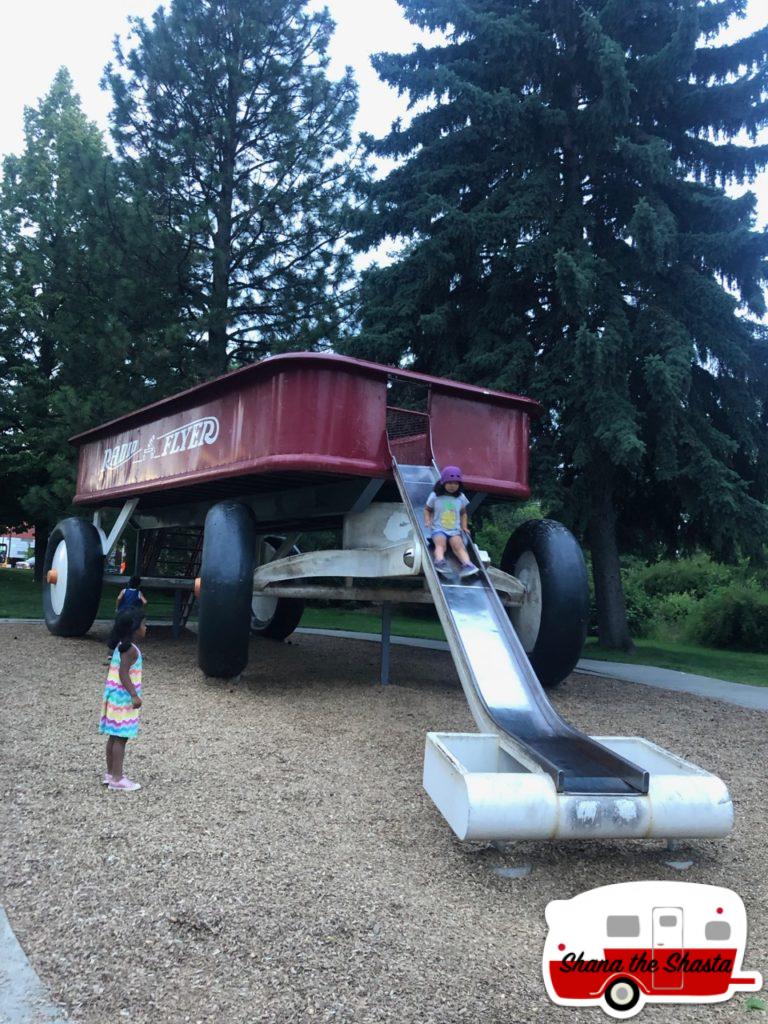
493,525
640,607
698,576
671,615
734,616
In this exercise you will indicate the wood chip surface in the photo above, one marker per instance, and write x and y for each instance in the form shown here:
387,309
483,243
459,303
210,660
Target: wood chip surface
282,862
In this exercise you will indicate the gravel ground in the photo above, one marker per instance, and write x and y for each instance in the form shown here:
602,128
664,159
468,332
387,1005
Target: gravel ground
282,862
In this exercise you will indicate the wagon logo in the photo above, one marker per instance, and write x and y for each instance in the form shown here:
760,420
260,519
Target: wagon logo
191,435
114,457
622,946
194,434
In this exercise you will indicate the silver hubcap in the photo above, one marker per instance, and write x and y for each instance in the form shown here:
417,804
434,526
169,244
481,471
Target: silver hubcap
527,617
262,610
263,607
59,588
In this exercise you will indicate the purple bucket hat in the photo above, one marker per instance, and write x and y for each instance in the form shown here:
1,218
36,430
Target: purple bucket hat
451,474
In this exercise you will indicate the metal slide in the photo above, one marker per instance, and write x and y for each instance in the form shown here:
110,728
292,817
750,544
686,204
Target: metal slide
501,687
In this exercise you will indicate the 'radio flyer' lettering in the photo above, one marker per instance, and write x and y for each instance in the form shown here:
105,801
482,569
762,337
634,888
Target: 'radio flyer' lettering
195,434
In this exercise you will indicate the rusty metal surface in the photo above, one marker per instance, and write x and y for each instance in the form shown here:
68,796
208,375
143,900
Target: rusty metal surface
302,414
489,441
357,367
300,418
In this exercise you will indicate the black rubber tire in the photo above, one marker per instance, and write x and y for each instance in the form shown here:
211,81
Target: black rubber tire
226,586
285,620
287,613
622,1007
84,578
562,628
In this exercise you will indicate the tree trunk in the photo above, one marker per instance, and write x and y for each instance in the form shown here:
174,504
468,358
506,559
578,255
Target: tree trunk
613,630
219,308
218,332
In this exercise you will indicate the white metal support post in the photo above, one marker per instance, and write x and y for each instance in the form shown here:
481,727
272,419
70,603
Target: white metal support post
109,543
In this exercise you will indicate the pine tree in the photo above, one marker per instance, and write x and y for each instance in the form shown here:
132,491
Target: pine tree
224,111
560,196
87,324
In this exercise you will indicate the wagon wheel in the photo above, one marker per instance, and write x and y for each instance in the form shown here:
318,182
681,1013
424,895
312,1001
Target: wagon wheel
622,996
552,621
73,573
226,585
274,617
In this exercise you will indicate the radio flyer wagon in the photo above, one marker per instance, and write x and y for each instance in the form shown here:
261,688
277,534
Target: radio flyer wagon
222,480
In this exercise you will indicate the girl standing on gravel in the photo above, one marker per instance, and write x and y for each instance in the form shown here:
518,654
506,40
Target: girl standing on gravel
122,698
446,516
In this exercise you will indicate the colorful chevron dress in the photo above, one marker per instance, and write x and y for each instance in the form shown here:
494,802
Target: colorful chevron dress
118,715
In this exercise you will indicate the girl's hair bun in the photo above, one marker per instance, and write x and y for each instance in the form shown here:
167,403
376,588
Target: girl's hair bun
126,625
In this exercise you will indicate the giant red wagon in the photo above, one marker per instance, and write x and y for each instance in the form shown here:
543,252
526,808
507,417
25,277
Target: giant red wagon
221,483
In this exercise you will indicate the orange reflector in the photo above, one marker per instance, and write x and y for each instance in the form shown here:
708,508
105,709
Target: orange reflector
52,576
196,587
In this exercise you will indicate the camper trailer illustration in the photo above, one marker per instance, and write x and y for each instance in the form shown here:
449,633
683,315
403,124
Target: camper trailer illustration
621,946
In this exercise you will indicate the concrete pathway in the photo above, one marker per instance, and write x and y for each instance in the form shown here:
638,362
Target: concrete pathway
23,999
753,697
96,622
398,641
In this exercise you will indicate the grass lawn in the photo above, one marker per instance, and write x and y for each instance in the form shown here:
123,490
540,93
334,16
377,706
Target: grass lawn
20,598
370,622
737,666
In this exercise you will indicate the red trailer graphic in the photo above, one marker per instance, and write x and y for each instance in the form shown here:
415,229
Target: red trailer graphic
625,945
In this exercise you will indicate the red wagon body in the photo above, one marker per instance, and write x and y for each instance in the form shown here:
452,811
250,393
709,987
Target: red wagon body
305,414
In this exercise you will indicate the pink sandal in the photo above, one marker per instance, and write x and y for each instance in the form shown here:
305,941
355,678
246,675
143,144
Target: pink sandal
123,786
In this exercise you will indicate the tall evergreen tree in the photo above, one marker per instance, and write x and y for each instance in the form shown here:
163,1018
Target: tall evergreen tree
87,324
560,194
225,113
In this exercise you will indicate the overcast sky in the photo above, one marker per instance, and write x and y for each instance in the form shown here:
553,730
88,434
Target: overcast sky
38,36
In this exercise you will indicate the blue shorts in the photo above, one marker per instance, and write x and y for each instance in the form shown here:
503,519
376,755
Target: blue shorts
448,533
